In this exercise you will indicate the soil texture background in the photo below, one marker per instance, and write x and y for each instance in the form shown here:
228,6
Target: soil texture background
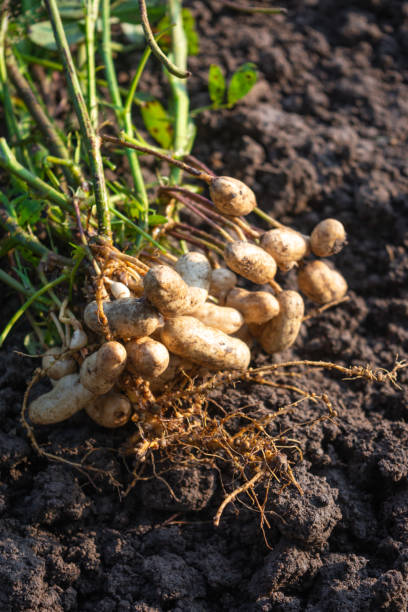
322,134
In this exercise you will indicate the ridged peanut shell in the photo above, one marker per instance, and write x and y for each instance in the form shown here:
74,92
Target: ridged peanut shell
57,367
250,261
100,371
111,410
281,332
127,318
226,319
320,283
286,246
146,357
328,238
191,339
63,401
256,306
222,281
167,291
195,270
231,196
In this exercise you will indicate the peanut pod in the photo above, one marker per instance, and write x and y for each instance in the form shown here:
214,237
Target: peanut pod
320,283
250,261
286,247
281,332
231,196
228,320
189,338
55,365
146,357
127,318
64,400
111,410
256,306
195,270
328,238
222,280
100,370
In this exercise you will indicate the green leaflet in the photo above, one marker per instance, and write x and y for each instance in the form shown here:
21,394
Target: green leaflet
241,82
41,33
216,85
158,123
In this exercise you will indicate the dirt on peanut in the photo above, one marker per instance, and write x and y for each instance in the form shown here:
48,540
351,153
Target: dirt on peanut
322,134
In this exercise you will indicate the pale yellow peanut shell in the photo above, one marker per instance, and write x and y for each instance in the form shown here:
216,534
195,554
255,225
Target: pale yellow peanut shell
100,371
127,318
111,410
222,280
328,238
146,357
195,269
167,291
281,332
57,367
286,246
228,320
196,342
256,306
231,196
250,261
66,398
320,283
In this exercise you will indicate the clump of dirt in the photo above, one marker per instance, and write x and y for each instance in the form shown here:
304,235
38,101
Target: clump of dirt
322,134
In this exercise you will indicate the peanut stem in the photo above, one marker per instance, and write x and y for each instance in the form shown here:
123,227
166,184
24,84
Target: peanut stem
163,59
92,140
44,123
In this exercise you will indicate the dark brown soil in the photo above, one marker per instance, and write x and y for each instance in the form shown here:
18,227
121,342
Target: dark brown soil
323,134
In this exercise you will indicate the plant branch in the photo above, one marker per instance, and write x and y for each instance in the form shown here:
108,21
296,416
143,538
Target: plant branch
9,162
181,73
92,140
49,131
123,114
19,313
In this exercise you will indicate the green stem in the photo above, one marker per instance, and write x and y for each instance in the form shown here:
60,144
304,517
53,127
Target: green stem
178,70
10,163
49,131
25,239
179,87
138,229
123,115
263,215
92,140
91,16
13,283
19,313
12,125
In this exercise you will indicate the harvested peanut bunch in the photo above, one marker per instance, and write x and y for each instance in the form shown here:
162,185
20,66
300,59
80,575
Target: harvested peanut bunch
161,324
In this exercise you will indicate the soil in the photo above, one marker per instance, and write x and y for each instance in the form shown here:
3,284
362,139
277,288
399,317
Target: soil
322,134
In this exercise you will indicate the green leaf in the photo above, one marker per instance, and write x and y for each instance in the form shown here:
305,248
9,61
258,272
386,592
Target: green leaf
128,10
158,123
157,220
41,34
216,85
29,211
190,31
241,83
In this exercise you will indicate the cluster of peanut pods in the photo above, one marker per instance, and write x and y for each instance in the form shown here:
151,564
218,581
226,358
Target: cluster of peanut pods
187,315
